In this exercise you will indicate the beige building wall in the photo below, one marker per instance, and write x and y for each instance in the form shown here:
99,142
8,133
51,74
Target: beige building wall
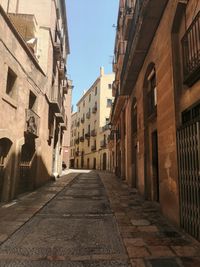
73,137
92,117
34,45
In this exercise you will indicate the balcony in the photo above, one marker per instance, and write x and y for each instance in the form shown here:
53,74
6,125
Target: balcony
105,128
65,86
60,116
61,70
143,26
32,123
88,114
77,141
191,53
128,15
78,153
87,135
55,99
82,138
103,143
117,106
94,109
26,25
93,133
93,148
111,137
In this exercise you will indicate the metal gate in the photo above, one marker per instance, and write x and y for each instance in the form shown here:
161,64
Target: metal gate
188,140
1,179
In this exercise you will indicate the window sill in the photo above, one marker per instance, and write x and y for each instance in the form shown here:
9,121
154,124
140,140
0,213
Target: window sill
12,102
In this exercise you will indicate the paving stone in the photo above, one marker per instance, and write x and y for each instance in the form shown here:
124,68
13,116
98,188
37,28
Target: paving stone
150,228
160,251
81,236
77,206
136,242
140,222
39,263
137,263
137,252
187,251
163,263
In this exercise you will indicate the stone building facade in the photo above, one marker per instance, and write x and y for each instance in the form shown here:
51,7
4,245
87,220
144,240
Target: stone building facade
156,113
33,52
92,129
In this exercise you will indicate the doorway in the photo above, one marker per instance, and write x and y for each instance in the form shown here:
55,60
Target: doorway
94,164
155,170
104,161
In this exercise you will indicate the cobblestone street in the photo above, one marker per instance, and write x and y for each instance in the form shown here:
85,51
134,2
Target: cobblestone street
90,219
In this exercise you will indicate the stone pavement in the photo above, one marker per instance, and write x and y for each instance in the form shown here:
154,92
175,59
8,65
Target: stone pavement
75,228
16,213
150,240
82,220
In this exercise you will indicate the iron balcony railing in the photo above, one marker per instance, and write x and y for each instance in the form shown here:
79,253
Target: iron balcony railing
93,148
87,135
191,52
105,128
32,123
82,120
136,15
88,115
94,109
103,143
55,98
82,138
93,132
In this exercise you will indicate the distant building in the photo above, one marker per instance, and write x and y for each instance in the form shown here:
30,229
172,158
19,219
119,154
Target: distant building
90,129
73,137
156,114
33,89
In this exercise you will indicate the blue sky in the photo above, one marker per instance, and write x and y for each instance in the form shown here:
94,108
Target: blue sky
91,38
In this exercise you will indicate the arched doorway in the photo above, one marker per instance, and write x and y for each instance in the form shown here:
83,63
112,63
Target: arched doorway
151,171
104,161
5,145
134,143
28,166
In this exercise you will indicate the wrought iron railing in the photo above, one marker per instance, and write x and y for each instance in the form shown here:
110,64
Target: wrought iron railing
55,96
191,52
93,132
136,15
103,143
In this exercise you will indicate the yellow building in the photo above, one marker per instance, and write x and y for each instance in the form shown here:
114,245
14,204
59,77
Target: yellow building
92,120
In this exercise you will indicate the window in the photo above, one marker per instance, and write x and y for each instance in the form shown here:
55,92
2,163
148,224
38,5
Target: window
107,121
109,86
10,85
95,90
32,101
79,108
191,114
84,103
109,102
89,97
191,52
152,93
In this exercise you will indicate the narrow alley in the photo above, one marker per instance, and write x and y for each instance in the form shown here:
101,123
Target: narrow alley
90,219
